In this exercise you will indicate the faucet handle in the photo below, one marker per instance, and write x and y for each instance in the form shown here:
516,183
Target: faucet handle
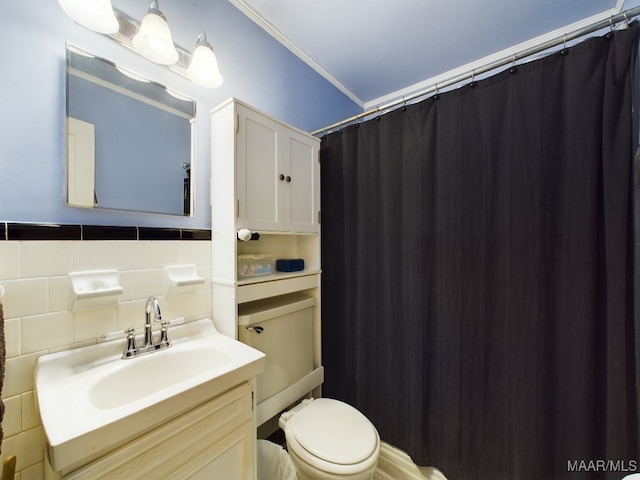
175,321
131,338
164,339
106,337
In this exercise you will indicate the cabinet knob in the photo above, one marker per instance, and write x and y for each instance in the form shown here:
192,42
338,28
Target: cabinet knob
281,176
288,178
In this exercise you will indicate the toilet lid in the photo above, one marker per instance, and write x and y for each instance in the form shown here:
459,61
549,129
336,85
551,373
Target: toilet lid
334,431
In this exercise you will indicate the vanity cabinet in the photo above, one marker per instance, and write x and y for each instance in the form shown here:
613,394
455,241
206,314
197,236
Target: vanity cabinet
265,177
278,174
214,440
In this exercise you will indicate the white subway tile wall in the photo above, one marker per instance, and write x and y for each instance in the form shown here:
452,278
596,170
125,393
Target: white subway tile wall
39,320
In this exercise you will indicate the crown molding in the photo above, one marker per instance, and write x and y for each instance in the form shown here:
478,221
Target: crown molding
277,34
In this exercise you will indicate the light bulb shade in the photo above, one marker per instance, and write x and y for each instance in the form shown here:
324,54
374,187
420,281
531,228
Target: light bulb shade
153,40
203,69
96,15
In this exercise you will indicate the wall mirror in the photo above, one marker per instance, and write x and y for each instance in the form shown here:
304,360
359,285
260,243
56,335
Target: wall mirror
130,141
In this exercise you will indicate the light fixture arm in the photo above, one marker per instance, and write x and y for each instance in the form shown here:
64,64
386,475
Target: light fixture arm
154,8
202,40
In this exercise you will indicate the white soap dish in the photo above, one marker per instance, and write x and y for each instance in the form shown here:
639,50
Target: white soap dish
181,279
94,289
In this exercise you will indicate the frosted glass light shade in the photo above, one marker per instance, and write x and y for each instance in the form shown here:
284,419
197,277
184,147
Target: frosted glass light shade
96,15
153,40
203,69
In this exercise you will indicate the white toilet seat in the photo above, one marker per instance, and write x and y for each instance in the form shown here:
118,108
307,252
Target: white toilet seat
333,437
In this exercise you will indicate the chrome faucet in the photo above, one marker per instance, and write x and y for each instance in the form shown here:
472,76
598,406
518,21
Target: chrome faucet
152,309
152,314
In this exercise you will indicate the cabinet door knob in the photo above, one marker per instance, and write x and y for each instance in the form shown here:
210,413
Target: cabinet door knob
281,176
288,178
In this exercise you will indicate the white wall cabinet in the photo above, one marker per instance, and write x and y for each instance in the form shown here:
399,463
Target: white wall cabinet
215,440
278,175
265,176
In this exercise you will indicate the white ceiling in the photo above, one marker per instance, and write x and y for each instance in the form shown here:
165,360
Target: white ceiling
380,50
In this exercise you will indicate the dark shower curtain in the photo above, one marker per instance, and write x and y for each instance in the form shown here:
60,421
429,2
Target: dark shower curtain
477,285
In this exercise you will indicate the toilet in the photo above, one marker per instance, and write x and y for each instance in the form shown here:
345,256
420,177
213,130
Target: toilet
326,439
329,440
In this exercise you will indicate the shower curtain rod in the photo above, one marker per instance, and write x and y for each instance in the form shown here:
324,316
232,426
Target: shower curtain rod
625,16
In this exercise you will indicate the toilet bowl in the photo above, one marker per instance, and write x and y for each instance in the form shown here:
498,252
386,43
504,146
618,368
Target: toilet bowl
330,440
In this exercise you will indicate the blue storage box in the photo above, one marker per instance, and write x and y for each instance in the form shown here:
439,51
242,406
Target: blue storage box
290,265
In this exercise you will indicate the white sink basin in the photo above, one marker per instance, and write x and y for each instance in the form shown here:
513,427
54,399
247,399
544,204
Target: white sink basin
153,373
91,401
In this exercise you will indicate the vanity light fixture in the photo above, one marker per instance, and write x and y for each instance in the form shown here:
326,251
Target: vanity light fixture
153,40
203,69
96,15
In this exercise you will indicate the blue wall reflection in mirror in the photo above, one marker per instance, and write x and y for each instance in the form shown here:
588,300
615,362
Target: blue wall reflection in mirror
142,138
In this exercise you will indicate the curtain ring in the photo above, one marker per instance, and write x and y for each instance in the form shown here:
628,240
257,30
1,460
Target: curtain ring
378,117
626,19
473,76
564,50
437,95
404,104
610,34
513,68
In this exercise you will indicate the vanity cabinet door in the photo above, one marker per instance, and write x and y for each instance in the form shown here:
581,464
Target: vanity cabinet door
259,171
302,182
278,175
230,458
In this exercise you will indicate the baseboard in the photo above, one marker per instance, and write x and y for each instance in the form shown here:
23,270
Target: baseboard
397,465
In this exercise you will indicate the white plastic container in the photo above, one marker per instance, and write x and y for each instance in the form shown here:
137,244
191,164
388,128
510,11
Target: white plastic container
254,265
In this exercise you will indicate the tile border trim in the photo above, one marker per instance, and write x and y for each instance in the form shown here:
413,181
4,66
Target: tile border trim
53,231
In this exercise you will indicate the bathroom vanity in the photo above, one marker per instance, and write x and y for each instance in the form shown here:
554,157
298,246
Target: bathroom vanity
187,411
215,440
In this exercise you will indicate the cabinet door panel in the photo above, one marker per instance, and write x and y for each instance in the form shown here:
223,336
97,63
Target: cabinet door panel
259,168
231,458
303,196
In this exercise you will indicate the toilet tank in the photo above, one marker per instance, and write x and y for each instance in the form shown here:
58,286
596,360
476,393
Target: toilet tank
281,328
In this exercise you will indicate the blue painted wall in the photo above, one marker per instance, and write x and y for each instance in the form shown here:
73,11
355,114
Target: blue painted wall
256,69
